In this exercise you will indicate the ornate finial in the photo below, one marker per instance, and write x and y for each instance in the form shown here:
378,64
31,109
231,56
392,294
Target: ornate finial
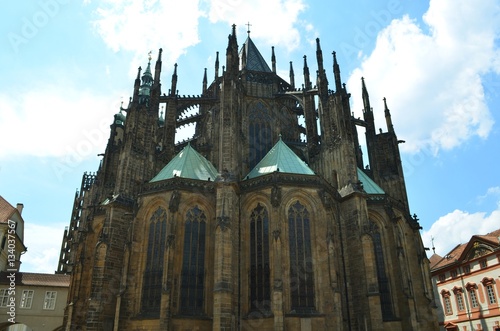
433,248
149,55
248,28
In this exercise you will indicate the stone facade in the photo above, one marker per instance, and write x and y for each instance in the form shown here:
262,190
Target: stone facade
313,241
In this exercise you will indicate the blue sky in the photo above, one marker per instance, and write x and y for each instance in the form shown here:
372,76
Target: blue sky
66,66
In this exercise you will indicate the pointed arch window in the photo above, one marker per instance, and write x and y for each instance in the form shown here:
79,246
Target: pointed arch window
259,134
260,288
383,280
153,273
301,267
193,262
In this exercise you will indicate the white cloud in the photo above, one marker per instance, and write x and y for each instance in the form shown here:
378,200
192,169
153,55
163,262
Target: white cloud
275,21
143,25
432,80
458,227
44,245
33,123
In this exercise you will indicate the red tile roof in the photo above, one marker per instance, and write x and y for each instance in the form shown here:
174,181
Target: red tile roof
456,253
6,210
37,279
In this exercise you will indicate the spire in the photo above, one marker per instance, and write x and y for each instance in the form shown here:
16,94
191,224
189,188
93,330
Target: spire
158,67
364,93
319,57
307,80
292,76
137,83
216,65
243,57
205,81
336,73
321,77
388,119
147,83
232,58
273,59
367,111
173,89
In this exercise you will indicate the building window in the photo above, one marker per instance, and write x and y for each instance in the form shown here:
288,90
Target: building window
491,294
301,267
460,300
50,300
383,280
153,273
446,302
259,134
26,299
442,277
193,263
466,269
4,297
483,264
447,305
471,288
454,274
260,288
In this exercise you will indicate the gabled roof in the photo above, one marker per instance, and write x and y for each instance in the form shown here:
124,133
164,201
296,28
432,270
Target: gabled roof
280,158
6,210
188,164
477,246
434,260
38,279
255,61
369,185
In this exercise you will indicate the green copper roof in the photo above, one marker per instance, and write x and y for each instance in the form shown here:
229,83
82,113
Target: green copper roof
280,158
369,185
187,164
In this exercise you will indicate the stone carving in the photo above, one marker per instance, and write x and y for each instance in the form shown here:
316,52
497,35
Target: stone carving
276,196
175,199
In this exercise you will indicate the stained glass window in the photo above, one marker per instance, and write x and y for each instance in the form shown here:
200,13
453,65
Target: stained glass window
301,266
260,288
193,262
259,134
383,280
151,289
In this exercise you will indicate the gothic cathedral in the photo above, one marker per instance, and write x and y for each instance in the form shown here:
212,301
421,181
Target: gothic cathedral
265,219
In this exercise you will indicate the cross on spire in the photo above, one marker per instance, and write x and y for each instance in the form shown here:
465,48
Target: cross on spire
248,28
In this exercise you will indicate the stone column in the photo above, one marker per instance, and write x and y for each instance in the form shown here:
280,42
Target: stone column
224,275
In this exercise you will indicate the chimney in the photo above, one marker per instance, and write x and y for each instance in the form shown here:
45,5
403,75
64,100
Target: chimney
20,207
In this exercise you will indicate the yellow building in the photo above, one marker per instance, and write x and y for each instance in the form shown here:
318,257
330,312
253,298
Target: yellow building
265,219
